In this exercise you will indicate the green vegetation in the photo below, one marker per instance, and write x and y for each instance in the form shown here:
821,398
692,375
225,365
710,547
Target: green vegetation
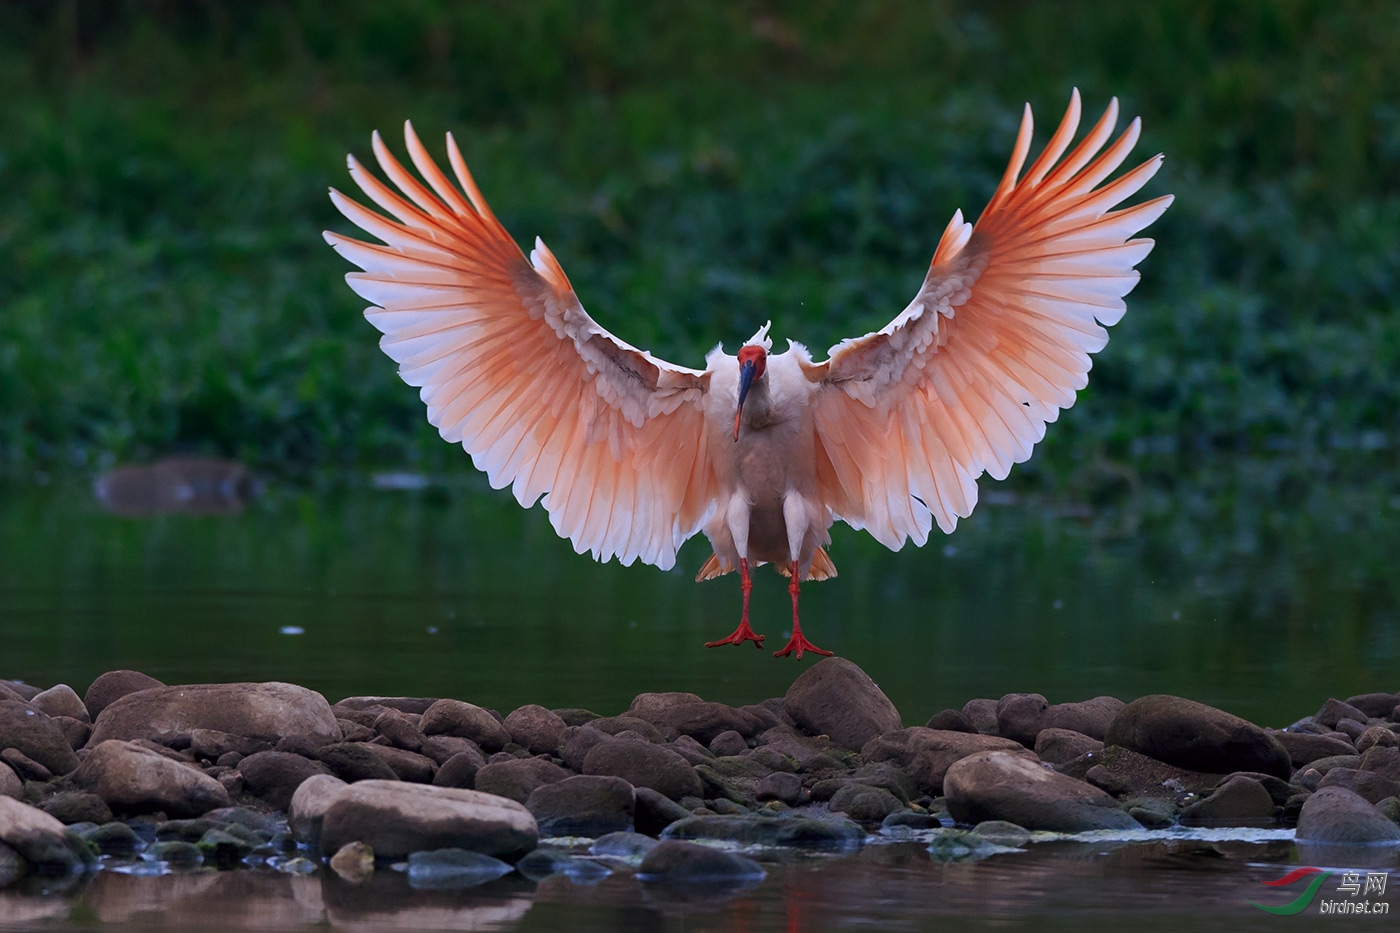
698,168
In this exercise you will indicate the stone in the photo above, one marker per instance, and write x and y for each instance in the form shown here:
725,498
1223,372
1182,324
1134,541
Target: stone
1002,833
35,735
780,786
406,765
688,714
1196,737
453,869
12,865
467,721
623,845
950,720
926,754
309,804
1383,760
1389,808
354,761
131,778
176,853
836,698
1350,728
1374,705
725,744
536,729
655,811
27,768
578,742
61,700
399,730
267,711
211,744
1334,711
275,776
1335,815
75,731
1152,812
39,838
307,746
353,862
583,805
396,818
863,802
442,747
982,713
1303,748
75,806
644,765
1134,775
114,685
782,830
115,838
518,778
1059,746
415,705
1019,716
686,862
693,752
1368,784
1323,765
573,716
1240,801
460,770
10,783
1088,717
617,725
1377,735
1000,785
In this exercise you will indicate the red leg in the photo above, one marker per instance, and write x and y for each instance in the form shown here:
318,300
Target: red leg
743,633
798,642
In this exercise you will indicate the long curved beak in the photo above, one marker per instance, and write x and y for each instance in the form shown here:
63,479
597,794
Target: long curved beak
746,373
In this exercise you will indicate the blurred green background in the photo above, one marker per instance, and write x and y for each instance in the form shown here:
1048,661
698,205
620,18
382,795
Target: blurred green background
698,168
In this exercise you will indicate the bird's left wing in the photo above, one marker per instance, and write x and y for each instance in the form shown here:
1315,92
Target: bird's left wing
512,367
996,342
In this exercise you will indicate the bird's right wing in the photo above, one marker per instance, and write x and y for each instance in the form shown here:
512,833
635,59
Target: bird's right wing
995,343
512,367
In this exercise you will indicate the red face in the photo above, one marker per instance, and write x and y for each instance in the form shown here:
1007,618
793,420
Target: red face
755,355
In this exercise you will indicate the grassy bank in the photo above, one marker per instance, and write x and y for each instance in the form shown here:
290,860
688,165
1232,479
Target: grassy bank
697,168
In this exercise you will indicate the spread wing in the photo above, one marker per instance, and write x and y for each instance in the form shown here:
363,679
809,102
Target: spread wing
511,366
995,343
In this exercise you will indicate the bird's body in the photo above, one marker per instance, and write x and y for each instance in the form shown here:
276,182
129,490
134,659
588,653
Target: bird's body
761,451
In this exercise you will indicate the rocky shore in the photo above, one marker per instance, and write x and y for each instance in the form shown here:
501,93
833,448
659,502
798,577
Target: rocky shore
141,776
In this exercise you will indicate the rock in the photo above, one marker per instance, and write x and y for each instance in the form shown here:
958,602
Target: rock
211,744
415,705
1303,748
75,731
583,805
1382,760
354,862
725,744
1088,717
1197,737
307,746
36,736
1377,735
982,713
353,761
687,714
1152,812
61,700
1368,784
780,786
115,838
1350,728
518,778
442,747
266,711
1335,815
275,776
574,716
1334,711
1279,790
950,720
1389,808
1059,746
406,765
1374,705
864,803
400,730
1240,801
689,863
460,770
467,721
617,725
783,830
10,783
926,754
1130,774
1002,833
396,818
578,742
114,685
999,785
1323,765
27,768
542,863
12,865
836,698
655,811
176,853
536,729
308,806
1019,716
133,779
644,765
37,837
453,869
75,806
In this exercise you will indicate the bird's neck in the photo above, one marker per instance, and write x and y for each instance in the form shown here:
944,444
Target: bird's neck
758,405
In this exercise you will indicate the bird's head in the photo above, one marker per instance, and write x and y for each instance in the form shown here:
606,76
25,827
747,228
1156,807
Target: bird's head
753,360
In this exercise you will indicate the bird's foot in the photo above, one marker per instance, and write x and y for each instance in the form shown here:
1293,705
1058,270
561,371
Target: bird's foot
799,643
740,635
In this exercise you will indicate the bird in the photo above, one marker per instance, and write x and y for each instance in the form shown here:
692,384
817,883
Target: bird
632,455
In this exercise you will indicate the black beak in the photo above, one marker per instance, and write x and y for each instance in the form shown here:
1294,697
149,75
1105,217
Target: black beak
746,373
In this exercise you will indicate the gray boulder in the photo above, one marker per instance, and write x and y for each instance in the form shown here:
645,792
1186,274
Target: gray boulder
688,714
134,779
36,836
927,754
518,778
643,764
536,729
61,700
467,721
1197,737
686,862
275,776
1337,816
1020,716
1089,717
395,818
36,736
114,685
1304,748
1240,801
266,711
584,805
1005,786
836,698
1060,746
309,804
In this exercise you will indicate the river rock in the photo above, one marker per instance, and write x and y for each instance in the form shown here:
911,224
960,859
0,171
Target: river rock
782,830
36,836
926,754
1382,760
61,700
1089,717
982,713
467,721
1001,785
1304,748
114,685
1334,711
400,730
643,764
415,705
655,811
864,802
12,866
396,818
1367,784
686,862
1335,815
584,805
460,770
353,761
313,797
617,725
266,711
780,786
1240,801
1059,746
35,735
518,778
687,714
1377,735
1197,737
578,742
836,698
134,779
211,744
950,720
536,729
27,768
275,776
10,783
1374,705
442,747
1020,716
406,765
75,806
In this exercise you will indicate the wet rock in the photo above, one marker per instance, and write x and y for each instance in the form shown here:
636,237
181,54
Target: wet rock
10,783
467,721
37,837
726,744
406,765
864,803
903,821
1389,808
114,685
131,778
783,830
1367,784
1334,711
61,700
275,776
982,713
211,744
396,818
643,764
536,729
926,754
780,786
1152,812
176,853
688,714
1377,735
354,862
267,711
27,768
583,806
1089,717
460,770
1196,737
518,778
1303,748
1000,785
655,811
623,845
1374,705
1019,716
687,862
353,761
836,698
224,848
950,720
12,866
115,838
399,730
1279,790
453,869
1240,801
1059,746
1335,815
35,735
76,806
308,806
1002,833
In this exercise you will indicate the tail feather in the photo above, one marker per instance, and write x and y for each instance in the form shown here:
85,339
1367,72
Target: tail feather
822,568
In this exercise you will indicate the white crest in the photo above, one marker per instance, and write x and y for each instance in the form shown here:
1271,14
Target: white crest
761,338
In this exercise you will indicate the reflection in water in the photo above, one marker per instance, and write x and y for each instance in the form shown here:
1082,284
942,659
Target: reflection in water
188,485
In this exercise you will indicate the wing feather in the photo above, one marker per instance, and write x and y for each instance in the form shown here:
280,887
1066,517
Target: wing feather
511,366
